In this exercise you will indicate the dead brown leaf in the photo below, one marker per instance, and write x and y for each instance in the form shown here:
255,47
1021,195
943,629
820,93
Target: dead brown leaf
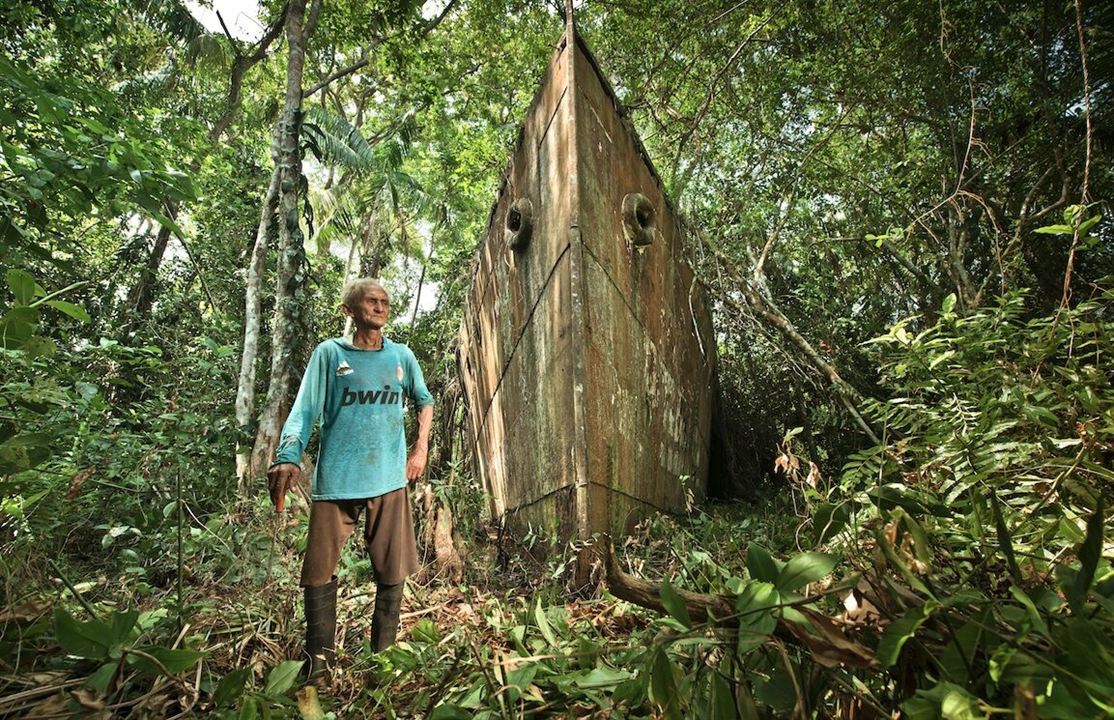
79,479
57,705
88,699
832,647
25,612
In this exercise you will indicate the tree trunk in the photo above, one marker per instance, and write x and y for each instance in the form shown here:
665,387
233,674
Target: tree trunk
350,274
439,532
245,391
830,646
142,295
289,319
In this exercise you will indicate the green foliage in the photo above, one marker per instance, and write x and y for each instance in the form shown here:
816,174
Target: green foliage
988,505
71,152
30,392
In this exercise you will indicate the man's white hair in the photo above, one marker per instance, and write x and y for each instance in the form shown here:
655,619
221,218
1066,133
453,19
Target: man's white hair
359,287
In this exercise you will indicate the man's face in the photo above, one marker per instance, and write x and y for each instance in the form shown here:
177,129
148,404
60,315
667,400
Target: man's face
371,311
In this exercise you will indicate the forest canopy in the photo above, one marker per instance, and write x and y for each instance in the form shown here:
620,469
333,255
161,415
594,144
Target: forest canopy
900,214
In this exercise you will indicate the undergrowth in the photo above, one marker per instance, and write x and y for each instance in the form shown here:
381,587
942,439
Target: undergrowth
959,569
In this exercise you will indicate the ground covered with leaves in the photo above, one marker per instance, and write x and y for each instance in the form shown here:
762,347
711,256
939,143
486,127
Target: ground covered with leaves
506,641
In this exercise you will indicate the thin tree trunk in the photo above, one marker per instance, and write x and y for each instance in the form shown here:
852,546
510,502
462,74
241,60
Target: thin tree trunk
350,275
371,257
843,390
245,391
289,319
142,295
421,281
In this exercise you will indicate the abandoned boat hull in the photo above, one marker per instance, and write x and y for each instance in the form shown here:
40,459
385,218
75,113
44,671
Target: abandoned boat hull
586,351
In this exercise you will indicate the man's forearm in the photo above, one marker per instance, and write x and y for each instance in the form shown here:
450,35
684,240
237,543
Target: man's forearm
425,421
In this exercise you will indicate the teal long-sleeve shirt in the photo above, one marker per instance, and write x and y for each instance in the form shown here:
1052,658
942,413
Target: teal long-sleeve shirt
358,396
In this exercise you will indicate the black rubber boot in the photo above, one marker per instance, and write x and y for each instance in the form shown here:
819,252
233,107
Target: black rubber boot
384,621
321,629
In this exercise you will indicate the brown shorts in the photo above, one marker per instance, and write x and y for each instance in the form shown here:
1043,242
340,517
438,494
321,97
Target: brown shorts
388,530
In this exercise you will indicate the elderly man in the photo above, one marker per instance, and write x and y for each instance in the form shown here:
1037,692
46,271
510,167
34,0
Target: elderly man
356,387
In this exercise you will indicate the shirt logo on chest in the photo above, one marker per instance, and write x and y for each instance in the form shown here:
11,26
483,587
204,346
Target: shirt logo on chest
344,369
369,397
398,372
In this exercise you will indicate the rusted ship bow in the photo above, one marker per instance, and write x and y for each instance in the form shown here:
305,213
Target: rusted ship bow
586,350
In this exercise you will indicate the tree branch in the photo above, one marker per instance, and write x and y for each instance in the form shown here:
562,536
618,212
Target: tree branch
240,65
765,307
231,40
366,58
362,62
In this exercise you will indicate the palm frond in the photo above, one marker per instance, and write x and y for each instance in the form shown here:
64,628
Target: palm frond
334,141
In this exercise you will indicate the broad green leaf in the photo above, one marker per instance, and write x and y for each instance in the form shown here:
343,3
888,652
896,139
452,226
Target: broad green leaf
23,286
122,624
175,661
450,712
949,303
473,699
633,692
760,564
543,623
779,692
946,700
75,311
1005,541
828,520
425,631
14,333
1086,225
231,687
282,677
1055,230
604,677
663,684
1061,704
900,630
18,326
249,710
521,677
803,569
958,704
102,676
90,639
756,618
674,605
1089,553
721,703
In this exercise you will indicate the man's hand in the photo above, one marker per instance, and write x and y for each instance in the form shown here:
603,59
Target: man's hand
415,464
280,478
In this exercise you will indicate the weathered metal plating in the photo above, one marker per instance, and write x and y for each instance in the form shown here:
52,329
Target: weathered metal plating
587,361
